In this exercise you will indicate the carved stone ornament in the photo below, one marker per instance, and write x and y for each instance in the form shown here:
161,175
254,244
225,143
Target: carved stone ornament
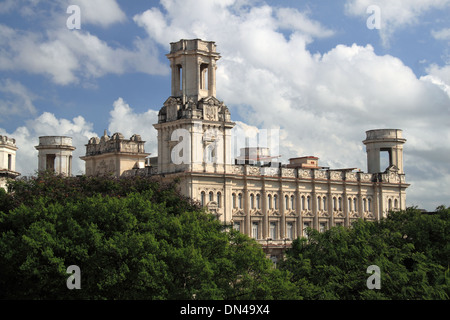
339,214
350,176
291,213
238,212
354,214
256,212
307,214
290,173
305,173
336,175
210,112
172,111
253,171
319,174
323,214
238,170
369,215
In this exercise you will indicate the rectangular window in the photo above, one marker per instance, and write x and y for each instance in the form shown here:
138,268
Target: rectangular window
204,76
290,231
180,77
9,162
273,230
322,226
305,227
50,162
237,226
255,230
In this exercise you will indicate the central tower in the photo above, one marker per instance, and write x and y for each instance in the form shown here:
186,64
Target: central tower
193,64
194,127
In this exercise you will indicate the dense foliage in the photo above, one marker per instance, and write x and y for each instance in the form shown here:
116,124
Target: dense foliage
412,250
137,238
131,238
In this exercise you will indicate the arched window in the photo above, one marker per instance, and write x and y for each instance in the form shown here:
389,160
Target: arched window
269,200
252,201
369,204
292,203
340,204
319,203
303,203
219,199
202,198
355,205
211,196
390,204
349,204
275,202
258,201
240,200
364,205
395,204
308,202
324,199
234,200
286,202
334,204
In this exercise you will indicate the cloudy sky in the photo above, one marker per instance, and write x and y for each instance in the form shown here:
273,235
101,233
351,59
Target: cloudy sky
322,72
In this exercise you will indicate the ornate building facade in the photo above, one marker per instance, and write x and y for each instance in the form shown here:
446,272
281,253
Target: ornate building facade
114,155
7,160
265,199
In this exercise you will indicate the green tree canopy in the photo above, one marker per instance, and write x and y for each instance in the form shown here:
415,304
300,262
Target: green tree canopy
131,238
411,249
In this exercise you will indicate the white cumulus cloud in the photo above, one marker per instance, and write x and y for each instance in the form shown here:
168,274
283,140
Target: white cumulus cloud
394,14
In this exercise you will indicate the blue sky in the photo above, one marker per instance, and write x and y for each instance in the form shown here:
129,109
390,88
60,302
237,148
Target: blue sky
313,69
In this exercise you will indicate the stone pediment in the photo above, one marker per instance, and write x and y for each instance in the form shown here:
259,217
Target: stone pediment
256,212
211,101
338,214
214,109
307,214
238,212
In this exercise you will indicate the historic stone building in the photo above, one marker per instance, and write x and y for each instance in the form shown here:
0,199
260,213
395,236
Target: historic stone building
268,200
55,154
7,160
113,155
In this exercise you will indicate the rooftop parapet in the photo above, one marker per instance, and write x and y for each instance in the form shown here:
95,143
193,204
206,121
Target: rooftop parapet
192,44
319,174
384,134
115,143
7,141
